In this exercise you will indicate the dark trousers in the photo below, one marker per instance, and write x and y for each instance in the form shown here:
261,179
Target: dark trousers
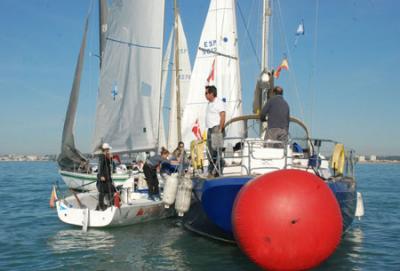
214,164
106,189
150,173
101,199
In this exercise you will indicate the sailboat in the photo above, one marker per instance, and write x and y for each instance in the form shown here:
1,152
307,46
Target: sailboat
216,63
215,200
127,113
74,167
180,71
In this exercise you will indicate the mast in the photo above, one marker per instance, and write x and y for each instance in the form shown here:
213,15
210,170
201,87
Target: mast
102,28
265,81
177,81
265,33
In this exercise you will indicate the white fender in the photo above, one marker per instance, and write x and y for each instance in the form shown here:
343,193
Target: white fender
184,196
170,188
360,206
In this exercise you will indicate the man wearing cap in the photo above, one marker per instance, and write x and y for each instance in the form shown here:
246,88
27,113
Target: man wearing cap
104,181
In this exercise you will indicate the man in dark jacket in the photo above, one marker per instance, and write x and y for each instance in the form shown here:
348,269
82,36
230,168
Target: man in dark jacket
104,183
278,113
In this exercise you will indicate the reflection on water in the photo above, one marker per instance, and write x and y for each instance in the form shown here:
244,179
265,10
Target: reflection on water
348,254
355,240
77,240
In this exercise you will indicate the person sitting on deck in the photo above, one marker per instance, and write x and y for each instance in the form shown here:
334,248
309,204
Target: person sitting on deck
179,155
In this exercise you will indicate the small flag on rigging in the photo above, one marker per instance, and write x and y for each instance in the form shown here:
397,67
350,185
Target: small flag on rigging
284,65
299,32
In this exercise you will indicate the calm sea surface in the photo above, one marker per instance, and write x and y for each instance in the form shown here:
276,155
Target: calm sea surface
32,237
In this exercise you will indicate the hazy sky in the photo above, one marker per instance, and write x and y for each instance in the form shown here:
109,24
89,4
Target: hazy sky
344,78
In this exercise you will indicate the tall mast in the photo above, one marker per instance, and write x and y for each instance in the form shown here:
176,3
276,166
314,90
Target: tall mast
102,28
265,33
177,81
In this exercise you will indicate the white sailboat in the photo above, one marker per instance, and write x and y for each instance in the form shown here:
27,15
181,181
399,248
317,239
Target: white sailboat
128,102
180,82
178,54
127,115
216,63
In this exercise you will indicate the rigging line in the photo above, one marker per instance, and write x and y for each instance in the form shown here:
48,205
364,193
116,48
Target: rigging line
130,44
314,65
248,34
208,51
291,74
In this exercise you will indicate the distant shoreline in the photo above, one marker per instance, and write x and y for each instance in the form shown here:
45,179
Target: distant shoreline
26,161
380,162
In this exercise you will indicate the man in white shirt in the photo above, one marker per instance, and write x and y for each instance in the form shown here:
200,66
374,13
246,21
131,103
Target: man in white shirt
215,123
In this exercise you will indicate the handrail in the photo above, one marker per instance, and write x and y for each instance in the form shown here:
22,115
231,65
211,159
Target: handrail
289,159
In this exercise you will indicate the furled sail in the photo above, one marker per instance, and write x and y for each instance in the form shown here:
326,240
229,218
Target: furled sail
128,103
164,78
184,73
70,157
217,63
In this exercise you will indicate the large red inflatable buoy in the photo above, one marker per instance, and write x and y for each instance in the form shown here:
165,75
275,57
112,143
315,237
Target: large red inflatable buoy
287,220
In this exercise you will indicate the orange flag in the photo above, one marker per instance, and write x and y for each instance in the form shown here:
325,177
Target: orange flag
284,65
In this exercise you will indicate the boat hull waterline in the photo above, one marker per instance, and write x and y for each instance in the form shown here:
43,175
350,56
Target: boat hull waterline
138,211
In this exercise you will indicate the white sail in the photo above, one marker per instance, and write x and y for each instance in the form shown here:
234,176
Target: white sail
184,74
70,157
217,59
128,102
164,78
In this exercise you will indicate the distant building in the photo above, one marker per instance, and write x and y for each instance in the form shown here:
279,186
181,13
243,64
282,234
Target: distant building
361,158
372,158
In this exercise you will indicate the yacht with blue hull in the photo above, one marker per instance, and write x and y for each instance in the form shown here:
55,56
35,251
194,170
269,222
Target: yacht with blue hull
213,198
285,203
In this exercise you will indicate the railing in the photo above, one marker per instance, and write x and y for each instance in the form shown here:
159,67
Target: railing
316,156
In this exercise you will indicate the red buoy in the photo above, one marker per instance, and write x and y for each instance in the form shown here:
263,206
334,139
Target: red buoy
287,220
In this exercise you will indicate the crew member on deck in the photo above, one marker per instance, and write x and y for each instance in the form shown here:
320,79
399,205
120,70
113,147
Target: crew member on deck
150,172
104,183
215,123
278,113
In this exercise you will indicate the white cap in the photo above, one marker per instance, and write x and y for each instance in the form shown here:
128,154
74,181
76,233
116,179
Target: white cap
106,146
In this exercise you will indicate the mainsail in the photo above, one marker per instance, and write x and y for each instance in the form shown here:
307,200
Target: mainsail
127,114
184,73
70,157
217,63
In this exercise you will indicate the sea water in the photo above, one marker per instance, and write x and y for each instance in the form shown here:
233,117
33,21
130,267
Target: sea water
33,238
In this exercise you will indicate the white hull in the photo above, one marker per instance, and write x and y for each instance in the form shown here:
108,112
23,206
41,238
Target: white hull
135,211
87,181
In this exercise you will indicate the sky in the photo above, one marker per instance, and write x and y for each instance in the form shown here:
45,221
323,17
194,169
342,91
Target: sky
343,78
